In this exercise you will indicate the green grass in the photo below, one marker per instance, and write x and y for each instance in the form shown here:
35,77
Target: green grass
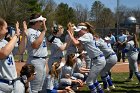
118,80
120,84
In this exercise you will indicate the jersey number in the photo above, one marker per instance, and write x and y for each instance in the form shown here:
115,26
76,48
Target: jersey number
44,44
10,61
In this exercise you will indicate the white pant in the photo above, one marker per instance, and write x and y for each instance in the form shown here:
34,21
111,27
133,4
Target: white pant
18,87
98,65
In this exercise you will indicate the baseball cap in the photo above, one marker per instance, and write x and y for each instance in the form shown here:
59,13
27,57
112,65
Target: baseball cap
80,28
38,19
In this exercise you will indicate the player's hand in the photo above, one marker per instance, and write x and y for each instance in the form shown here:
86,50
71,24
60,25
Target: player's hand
17,29
44,25
80,82
25,27
69,32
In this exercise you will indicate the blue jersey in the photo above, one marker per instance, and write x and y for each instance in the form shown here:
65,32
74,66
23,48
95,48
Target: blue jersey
113,40
122,38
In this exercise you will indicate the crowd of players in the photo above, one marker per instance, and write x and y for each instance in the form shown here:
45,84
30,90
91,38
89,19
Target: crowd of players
87,57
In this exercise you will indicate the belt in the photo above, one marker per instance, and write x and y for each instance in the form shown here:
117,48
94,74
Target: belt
110,55
101,55
40,57
9,82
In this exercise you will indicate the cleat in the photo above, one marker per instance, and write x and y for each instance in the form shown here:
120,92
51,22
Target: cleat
129,80
112,87
138,83
107,90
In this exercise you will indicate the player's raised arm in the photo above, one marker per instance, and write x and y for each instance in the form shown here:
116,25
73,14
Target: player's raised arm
7,49
23,41
39,40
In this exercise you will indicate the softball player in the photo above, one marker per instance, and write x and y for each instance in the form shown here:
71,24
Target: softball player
94,53
53,80
111,60
132,54
8,74
27,74
57,47
37,50
80,71
67,78
71,48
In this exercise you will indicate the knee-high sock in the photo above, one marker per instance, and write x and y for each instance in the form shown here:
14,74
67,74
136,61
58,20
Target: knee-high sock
109,80
130,74
105,84
109,73
92,88
98,86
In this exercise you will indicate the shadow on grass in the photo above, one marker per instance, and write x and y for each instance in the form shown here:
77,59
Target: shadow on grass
118,82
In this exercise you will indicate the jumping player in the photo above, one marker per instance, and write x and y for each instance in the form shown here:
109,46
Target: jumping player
132,54
111,60
98,59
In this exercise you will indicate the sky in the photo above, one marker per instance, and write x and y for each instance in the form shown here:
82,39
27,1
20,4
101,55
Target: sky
112,4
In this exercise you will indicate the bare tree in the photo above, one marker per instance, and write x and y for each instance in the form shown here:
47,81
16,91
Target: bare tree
107,18
95,13
49,12
81,13
8,10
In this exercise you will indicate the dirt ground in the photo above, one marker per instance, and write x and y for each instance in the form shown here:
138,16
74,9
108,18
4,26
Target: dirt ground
119,67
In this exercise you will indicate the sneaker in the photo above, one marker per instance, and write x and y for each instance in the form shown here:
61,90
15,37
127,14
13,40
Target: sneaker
138,83
101,83
112,87
107,90
128,79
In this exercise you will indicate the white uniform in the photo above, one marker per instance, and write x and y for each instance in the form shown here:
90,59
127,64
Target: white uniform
132,54
37,57
56,53
95,54
8,73
52,84
76,71
71,48
65,81
109,54
111,60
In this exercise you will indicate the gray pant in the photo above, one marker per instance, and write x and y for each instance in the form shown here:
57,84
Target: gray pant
17,87
133,65
79,76
98,65
65,82
40,68
5,88
110,62
88,61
